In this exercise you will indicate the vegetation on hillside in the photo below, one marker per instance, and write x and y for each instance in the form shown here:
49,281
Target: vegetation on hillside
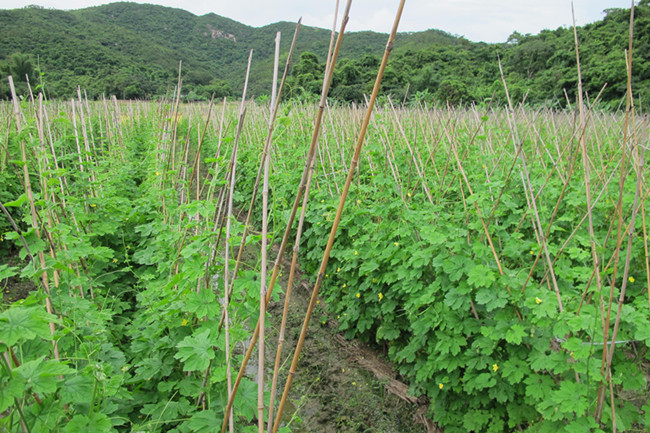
132,51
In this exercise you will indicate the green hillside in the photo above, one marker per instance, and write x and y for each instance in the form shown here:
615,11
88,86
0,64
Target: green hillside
133,50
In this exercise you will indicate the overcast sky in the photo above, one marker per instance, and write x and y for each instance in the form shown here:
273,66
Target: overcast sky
477,20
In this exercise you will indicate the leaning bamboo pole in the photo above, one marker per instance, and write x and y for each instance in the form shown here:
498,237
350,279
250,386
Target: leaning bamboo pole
34,215
265,151
263,254
285,238
242,113
337,219
294,260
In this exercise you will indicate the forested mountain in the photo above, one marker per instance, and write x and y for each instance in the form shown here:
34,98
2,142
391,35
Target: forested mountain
133,50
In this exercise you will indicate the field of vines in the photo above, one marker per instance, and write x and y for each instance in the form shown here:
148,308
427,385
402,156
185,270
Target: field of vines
497,257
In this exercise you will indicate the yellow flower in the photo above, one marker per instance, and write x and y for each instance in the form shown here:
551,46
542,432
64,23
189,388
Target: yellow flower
440,385
343,370
537,300
322,201
327,275
532,253
484,166
356,253
495,367
358,295
631,279
124,369
338,269
396,244
344,285
93,205
374,280
381,296
338,317
184,322
358,201
157,173
408,194
354,384
114,260
324,322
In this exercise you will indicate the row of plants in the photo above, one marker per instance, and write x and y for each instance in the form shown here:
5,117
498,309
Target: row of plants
442,261
131,271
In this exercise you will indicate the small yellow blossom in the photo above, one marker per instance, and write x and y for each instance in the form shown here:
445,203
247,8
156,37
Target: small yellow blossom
338,269
374,280
324,322
124,369
157,173
322,201
532,253
354,384
327,275
396,244
358,201
408,194
184,322
381,296
317,301
356,253
484,166
343,370
358,295
344,285
114,260
93,205
495,367
440,385
537,300
338,317
631,279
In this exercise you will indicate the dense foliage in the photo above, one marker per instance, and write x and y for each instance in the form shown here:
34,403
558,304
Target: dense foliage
132,51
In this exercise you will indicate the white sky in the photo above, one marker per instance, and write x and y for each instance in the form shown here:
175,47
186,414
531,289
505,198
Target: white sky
477,20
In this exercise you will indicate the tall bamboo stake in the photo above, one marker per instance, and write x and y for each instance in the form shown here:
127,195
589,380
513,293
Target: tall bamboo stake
337,219
242,112
278,261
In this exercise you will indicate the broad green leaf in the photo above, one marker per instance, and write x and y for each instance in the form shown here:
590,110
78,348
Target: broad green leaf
205,421
77,389
202,304
195,351
481,276
19,324
10,389
7,271
515,334
95,423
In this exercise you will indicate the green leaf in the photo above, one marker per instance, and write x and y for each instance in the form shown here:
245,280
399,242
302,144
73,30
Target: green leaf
10,389
515,334
96,423
77,389
206,421
202,304
18,202
481,276
20,324
7,271
195,351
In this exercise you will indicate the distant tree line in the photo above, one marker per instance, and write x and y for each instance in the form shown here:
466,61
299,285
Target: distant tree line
539,69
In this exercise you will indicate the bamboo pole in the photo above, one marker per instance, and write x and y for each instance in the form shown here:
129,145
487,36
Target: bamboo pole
310,155
337,219
229,215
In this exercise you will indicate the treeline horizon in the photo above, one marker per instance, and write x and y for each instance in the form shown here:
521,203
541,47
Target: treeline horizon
133,51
